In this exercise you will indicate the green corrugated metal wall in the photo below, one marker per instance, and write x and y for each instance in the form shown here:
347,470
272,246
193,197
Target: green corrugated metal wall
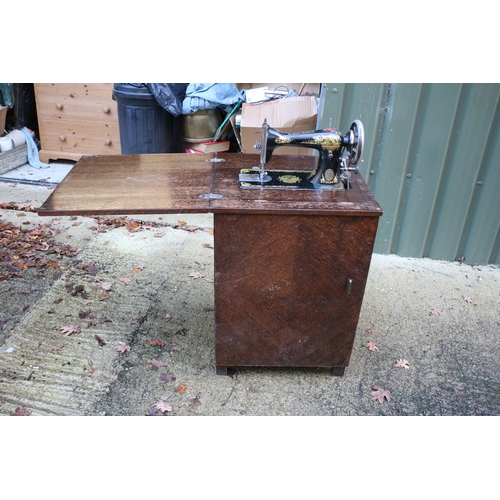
432,158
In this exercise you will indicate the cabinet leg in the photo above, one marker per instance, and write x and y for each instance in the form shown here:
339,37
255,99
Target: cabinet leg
338,371
221,370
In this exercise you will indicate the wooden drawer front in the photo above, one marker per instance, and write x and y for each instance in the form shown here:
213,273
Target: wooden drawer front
77,119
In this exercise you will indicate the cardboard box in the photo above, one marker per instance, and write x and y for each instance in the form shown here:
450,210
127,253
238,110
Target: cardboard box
3,118
288,115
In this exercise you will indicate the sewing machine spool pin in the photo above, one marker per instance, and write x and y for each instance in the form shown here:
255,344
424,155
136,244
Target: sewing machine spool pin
333,170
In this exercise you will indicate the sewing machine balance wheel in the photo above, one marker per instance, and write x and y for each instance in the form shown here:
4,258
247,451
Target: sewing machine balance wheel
355,147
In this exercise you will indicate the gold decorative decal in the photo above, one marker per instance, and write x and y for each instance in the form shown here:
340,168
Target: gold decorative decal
330,142
329,180
283,140
289,179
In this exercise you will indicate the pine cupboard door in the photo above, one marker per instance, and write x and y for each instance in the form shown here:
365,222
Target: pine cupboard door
76,119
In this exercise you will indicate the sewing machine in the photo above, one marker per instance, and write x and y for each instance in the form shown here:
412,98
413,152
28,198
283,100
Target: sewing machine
333,171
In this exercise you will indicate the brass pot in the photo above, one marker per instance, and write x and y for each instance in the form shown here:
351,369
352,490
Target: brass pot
200,126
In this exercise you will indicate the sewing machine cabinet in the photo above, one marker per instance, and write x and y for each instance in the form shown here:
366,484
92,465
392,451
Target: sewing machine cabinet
290,266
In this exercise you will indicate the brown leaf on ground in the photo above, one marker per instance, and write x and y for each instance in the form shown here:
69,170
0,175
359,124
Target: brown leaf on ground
122,347
21,411
467,299
371,330
379,394
167,377
372,346
437,311
195,402
155,363
402,363
156,342
176,348
56,348
70,329
181,389
162,406
196,275
100,341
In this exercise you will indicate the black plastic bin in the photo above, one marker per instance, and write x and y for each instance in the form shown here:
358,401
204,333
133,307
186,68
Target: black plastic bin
145,127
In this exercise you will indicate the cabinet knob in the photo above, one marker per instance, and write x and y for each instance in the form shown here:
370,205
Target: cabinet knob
59,106
62,138
107,142
105,110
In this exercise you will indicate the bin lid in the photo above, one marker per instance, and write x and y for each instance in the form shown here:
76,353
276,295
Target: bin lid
132,90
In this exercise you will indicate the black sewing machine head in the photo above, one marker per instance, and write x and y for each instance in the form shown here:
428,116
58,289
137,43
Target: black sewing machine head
333,170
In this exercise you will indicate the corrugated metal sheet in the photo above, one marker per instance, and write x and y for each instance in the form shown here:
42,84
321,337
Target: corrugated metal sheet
432,159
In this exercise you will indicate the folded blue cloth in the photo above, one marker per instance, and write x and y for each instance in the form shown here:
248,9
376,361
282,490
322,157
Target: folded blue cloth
33,158
211,96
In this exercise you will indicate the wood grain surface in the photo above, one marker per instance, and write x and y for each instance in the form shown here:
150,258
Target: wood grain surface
173,183
280,288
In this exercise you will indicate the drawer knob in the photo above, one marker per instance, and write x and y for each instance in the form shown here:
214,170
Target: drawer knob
59,106
62,138
107,142
106,110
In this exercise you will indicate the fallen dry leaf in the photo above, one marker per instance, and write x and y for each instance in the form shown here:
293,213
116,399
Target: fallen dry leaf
467,299
379,394
162,406
125,280
402,363
21,411
70,329
181,389
372,346
437,311
106,286
371,330
167,377
100,341
196,275
155,364
122,347
56,348
156,342
195,402
176,348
